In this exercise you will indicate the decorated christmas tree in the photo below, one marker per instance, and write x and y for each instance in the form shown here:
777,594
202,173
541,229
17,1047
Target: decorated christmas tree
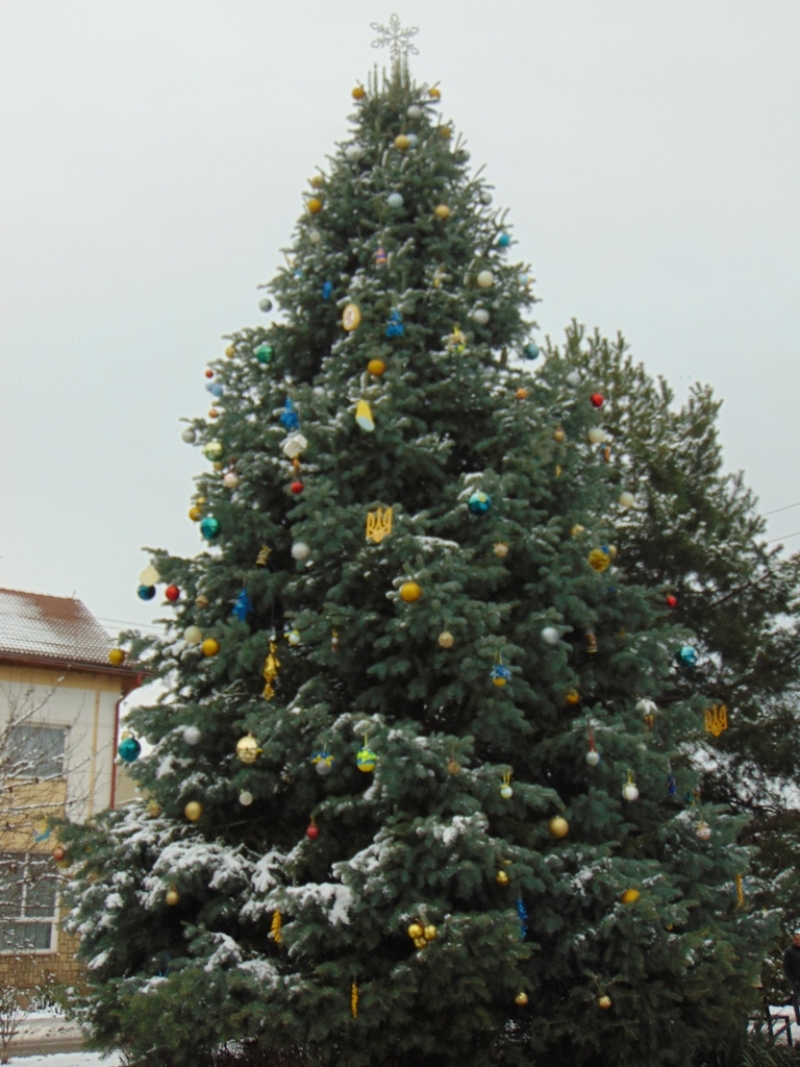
416,792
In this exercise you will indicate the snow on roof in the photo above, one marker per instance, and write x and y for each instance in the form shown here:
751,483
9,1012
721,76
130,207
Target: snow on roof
50,627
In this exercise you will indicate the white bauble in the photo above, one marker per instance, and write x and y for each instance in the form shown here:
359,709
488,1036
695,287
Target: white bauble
149,576
506,792
630,792
189,436
314,236
486,197
414,111
230,480
394,200
550,635
353,152
645,706
191,735
593,757
481,316
193,635
300,551
597,435
245,798
265,304
626,500
573,378
485,279
703,831
413,140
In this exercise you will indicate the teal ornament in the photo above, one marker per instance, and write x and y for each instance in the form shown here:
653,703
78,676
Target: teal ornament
688,655
479,503
129,749
209,527
531,351
215,389
504,240
146,592
289,416
366,759
327,289
395,327
264,353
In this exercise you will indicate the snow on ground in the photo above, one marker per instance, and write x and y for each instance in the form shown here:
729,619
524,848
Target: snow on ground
66,1059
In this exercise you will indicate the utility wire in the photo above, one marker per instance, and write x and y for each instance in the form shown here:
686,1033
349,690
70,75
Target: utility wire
786,507
784,538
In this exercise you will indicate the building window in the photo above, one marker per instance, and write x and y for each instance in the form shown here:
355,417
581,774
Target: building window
27,902
36,751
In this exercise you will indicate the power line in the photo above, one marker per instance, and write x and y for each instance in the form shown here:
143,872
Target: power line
784,538
786,507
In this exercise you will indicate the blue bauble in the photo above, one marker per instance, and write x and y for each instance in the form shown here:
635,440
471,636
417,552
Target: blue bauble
146,592
327,289
688,656
129,749
479,503
504,240
531,351
209,527
216,389
289,416
242,607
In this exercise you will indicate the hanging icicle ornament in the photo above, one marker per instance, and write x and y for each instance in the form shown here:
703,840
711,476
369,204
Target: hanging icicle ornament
354,1000
523,919
672,785
629,790
275,928
270,672
739,883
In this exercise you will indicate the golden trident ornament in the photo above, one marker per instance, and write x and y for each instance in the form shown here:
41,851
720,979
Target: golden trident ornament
379,524
275,927
716,719
270,672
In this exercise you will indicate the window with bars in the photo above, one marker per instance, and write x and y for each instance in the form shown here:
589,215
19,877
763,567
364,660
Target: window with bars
28,890
36,751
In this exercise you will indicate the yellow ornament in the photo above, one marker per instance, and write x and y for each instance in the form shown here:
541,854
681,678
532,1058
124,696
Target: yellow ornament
445,639
415,931
445,132
715,717
435,94
559,435
275,927
116,657
263,555
247,749
410,592
354,1000
351,317
173,896
630,896
572,697
604,1002
453,766
213,413
364,416
521,393
314,205
376,367
558,827
521,999
317,181
430,932
153,809
442,211
270,672
599,560
379,524
577,530
195,514
201,601
230,351
359,92
401,142
501,550
558,470
502,878
210,647
193,810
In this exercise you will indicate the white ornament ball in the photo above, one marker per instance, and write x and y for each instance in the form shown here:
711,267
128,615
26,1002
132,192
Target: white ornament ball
394,200
481,316
353,152
593,757
265,304
189,436
626,500
597,435
314,236
550,635
486,197
413,140
230,480
414,112
300,551
191,735
193,635
573,378
506,792
485,279
630,792
245,798
703,831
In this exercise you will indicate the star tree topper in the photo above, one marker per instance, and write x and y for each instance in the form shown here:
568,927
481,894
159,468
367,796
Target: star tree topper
398,39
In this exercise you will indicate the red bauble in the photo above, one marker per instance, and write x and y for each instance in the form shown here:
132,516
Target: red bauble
172,592
209,373
312,832
597,400
59,854
296,487
672,601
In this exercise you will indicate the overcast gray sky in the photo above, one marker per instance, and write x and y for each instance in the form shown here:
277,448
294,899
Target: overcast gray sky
152,160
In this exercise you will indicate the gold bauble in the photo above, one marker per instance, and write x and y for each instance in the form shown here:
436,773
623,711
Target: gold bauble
599,560
612,551
410,591
201,601
376,367
453,766
502,878
116,657
435,94
558,826
572,697
314,205
415,931
429,933
521,999
442,211
521,393
501,550
401,142
230,351
213,413
604,1002
247,749
445,132
630,896
359,92
195,514
173,897
153,809
317,181
577,530
210,647
559,435
420,942
193,810
446,639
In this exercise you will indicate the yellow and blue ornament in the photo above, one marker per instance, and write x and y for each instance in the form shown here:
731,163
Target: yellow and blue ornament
500,674
366,758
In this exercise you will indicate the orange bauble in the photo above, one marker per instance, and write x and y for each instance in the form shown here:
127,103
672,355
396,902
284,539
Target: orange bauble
630,896
376,367
410,591
210,647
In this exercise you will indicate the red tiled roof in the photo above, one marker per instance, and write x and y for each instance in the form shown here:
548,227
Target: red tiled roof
50,628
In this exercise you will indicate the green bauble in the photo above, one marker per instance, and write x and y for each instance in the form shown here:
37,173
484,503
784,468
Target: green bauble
209,527
213,450
264,353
